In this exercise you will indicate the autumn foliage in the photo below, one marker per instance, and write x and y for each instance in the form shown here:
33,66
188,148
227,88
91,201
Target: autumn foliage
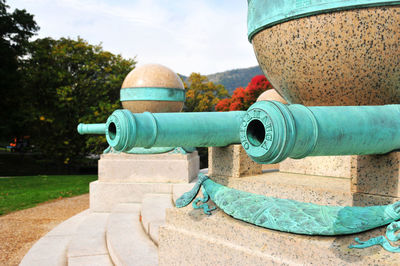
242,98
201,94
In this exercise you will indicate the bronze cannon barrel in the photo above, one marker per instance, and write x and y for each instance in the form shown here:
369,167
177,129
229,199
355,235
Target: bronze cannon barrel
126,130
272,131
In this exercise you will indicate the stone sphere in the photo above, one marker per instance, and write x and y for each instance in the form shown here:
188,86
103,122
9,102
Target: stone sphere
271,95
347,57
152,88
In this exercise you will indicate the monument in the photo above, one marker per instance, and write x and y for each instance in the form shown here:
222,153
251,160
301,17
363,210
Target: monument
336,197
316,53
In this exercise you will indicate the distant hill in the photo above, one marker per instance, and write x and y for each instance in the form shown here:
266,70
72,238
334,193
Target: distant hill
235,78
232,79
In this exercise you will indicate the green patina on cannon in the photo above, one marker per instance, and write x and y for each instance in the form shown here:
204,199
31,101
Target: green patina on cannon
100,129
125,130
272,131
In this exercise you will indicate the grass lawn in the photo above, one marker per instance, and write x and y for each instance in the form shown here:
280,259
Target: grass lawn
17,193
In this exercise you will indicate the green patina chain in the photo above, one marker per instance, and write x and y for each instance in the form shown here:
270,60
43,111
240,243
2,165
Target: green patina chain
189,196
298,217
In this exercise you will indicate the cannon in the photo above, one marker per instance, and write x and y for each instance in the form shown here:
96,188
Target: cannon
272,131
269,131
125,130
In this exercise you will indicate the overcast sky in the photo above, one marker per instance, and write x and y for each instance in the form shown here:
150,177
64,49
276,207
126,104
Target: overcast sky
205,36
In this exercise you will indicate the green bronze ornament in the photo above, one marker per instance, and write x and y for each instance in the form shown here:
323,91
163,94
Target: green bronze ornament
153,94
298,217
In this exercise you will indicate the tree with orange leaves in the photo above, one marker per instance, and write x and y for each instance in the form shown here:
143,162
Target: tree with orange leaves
243,98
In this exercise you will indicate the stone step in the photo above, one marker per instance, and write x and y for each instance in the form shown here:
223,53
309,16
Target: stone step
127,242
226,240
105,195
307,188
52,248
153,213
88,244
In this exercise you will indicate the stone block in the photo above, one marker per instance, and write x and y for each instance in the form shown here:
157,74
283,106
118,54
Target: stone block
166,167
105,195
231,161
376,174
334,166
198,249
228,241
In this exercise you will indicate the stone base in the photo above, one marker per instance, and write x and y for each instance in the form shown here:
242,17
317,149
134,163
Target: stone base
166,167
231,161
105,195
376,174
369,174
192,238
126,178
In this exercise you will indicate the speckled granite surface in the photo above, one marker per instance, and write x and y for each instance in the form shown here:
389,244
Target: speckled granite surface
322,190
369,174
376,174
335,166
307,188
192,238
231,161
340,58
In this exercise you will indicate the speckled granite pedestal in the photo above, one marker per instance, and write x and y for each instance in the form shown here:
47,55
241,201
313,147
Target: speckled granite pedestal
377,175
192,238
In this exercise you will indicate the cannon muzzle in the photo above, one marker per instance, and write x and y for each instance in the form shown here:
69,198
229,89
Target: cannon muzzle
126,130
99,129
272,131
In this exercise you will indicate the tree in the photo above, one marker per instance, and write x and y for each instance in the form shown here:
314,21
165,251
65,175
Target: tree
15,30
243,98
202,95
70,81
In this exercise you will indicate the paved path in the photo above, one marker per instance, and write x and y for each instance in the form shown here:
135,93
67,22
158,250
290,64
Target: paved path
21,229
